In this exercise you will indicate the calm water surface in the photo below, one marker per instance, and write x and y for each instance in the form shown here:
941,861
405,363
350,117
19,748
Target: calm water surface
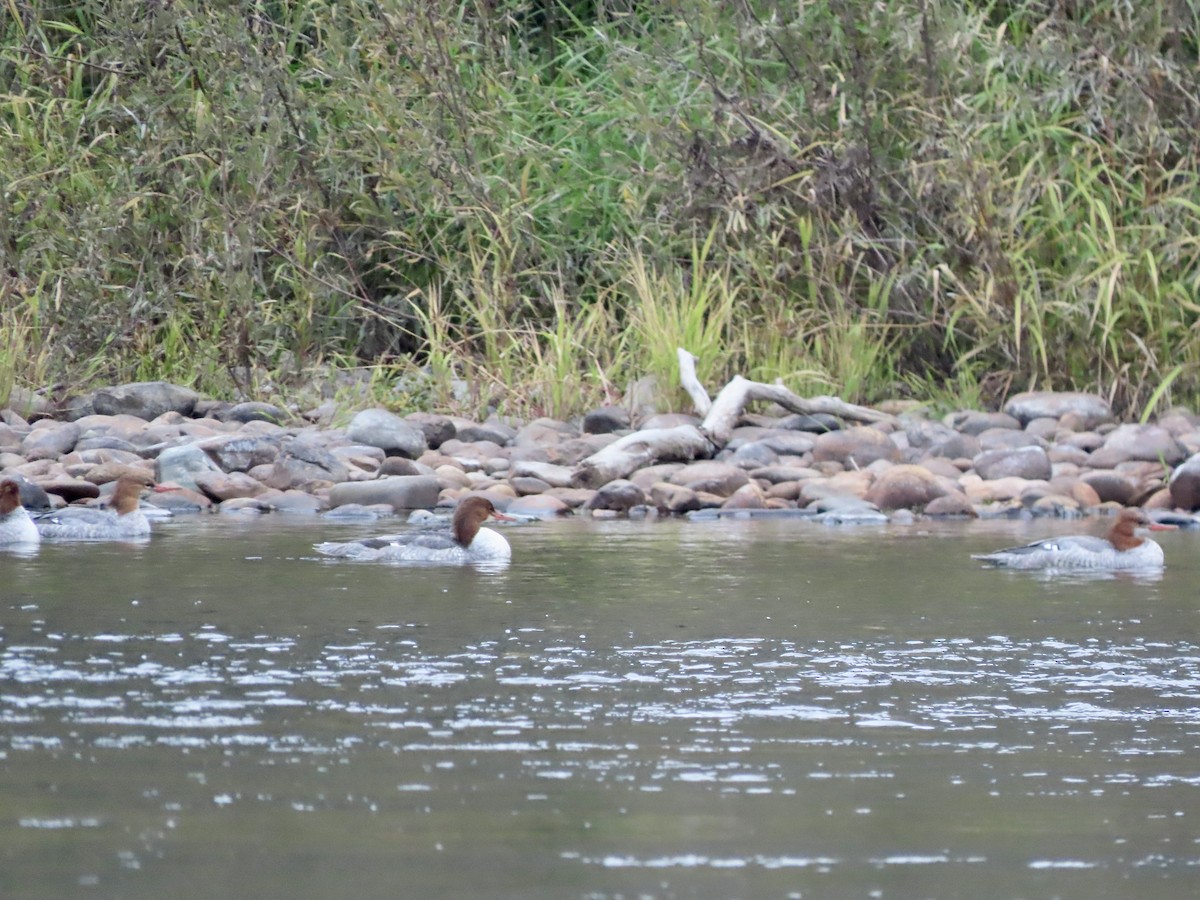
649,710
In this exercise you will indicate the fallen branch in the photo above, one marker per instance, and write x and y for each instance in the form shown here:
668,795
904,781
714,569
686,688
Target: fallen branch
684,443
722,418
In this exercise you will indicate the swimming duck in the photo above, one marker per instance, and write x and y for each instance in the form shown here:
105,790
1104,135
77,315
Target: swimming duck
82,523
15,525
465,542
1125,548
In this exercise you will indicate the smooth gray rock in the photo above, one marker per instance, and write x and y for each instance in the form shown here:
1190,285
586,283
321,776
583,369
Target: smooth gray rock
859,446
182,464
554,476
104,442
145,399
1007,439
1031,405
254,411
606,420
754,455
974,422
1023,462
241,454
436,428
620,494
301,462
496,432
399,492
1151,443
815,424
387,431
711,477
50,441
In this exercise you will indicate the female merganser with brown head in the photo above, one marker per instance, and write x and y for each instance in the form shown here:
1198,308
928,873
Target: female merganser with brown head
465,542
15,525
83,523
1125,548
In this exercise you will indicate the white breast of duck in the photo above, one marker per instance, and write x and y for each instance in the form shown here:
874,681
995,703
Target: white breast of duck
465,542
1126,548
124,520
15,525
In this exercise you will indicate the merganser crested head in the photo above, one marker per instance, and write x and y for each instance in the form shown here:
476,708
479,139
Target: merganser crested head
127,495
15,525
466,541
469,517
1125,548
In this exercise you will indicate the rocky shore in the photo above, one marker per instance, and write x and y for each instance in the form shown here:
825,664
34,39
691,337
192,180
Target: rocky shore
1045,453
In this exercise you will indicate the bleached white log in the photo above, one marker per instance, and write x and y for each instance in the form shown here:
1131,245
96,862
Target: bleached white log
642,448
728,407
691,384
687,442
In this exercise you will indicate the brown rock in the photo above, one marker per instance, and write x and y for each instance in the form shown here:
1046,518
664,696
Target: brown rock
540,505
673,497
748,496
1084,494
619,495
104,472
1111,487
859,446
70,489
1160,499
571,496
904,487
784,490
711,477
1185,484
952,505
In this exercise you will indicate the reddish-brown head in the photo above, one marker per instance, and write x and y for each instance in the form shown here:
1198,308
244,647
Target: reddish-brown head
127,495
470,516
10,496
1124,532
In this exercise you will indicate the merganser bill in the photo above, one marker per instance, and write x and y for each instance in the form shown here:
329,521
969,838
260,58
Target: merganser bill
465,542
81,523
15,525
1125,548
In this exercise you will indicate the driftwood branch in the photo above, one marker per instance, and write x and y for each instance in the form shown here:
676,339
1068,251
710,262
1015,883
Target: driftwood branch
642,448
691,384
722,418
687,442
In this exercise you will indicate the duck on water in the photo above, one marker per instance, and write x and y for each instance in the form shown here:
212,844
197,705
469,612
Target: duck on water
15,525
122,521
1126,547
465,542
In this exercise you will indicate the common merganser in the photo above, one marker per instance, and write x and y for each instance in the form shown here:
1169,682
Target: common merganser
465,542
1124,549
15,525
125,520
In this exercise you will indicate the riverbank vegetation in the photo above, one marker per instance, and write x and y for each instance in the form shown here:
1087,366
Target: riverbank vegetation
541,199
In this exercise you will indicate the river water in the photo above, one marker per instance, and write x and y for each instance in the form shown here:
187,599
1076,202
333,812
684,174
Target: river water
630,710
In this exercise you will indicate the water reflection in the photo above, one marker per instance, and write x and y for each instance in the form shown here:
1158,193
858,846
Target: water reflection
704,703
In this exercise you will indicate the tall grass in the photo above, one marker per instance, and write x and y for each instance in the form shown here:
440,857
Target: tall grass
542,199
